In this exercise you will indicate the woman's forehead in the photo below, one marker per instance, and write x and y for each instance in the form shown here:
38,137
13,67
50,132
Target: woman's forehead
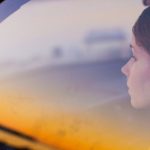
134,46
138,50
133,41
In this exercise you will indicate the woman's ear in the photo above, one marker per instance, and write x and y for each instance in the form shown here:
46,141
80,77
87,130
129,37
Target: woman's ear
146,2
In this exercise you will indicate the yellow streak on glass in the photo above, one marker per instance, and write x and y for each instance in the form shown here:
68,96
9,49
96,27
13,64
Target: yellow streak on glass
67,131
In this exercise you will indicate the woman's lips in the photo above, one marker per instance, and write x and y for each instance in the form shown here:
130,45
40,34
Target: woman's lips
129,91
128,88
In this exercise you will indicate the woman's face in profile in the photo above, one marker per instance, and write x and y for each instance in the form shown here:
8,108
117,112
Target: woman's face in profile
137,71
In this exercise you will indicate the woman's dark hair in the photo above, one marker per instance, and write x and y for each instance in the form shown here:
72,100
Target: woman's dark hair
146,2
141,30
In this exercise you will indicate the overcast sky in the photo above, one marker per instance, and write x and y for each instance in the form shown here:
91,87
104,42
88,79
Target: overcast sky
40,25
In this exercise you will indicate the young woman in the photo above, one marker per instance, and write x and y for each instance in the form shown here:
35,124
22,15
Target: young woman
137,69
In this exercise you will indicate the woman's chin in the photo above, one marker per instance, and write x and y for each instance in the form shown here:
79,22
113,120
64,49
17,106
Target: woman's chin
138,104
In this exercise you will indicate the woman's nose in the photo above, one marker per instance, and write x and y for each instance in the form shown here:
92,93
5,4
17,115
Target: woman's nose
125,70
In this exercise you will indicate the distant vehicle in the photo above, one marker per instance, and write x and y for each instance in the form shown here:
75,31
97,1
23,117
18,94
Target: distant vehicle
106,44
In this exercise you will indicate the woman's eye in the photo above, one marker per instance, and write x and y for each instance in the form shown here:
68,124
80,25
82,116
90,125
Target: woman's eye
133,57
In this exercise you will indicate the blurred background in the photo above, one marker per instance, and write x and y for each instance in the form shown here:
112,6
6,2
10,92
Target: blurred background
61,85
